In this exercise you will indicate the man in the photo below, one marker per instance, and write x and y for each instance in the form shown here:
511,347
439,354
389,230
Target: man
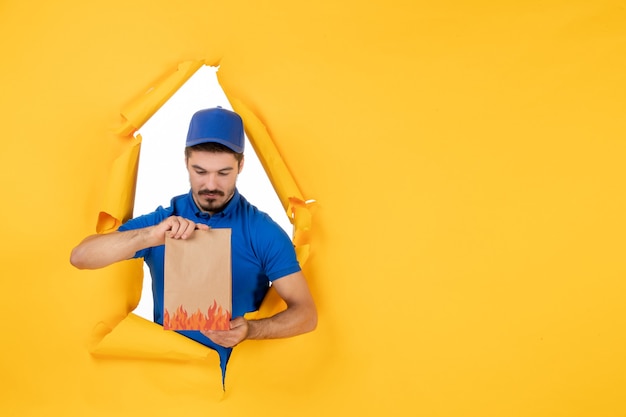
262,252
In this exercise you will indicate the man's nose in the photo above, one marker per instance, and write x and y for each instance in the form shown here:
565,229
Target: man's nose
211,182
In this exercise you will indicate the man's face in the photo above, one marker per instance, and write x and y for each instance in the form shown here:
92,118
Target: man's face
212,177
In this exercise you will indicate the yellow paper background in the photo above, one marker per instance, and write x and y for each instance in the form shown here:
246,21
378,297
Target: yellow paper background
467,246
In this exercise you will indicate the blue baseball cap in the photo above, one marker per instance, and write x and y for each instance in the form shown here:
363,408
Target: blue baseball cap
216,125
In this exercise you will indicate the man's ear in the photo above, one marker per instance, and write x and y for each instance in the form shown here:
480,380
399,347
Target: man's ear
243,158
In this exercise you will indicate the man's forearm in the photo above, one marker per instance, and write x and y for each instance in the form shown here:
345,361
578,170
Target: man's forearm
98,251
290,322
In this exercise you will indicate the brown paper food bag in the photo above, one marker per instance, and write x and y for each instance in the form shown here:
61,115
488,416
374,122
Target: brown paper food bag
198,281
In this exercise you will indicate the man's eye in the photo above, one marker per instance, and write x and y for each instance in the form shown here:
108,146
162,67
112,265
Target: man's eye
223,174
200,172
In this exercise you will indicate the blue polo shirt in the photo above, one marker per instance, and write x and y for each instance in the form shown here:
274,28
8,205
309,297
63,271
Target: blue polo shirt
261,252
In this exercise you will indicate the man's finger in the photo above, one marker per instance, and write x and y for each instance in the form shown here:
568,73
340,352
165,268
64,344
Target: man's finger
174,226
188,229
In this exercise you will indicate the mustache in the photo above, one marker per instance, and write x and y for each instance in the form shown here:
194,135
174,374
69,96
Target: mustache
211,192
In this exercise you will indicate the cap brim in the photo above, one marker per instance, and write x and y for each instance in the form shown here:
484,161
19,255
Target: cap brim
229,145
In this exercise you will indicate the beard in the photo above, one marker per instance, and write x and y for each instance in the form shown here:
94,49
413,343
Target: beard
213,201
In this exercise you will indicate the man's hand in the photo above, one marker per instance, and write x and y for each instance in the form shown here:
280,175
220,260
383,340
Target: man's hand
177,227
238,332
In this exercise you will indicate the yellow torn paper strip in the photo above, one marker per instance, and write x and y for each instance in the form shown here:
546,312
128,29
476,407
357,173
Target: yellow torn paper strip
119,194
140,110
138,338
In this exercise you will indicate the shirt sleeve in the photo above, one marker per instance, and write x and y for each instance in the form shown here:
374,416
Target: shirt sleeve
278,255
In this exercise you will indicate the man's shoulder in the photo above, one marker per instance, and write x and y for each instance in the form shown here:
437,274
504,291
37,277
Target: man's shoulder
253,212
259,223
